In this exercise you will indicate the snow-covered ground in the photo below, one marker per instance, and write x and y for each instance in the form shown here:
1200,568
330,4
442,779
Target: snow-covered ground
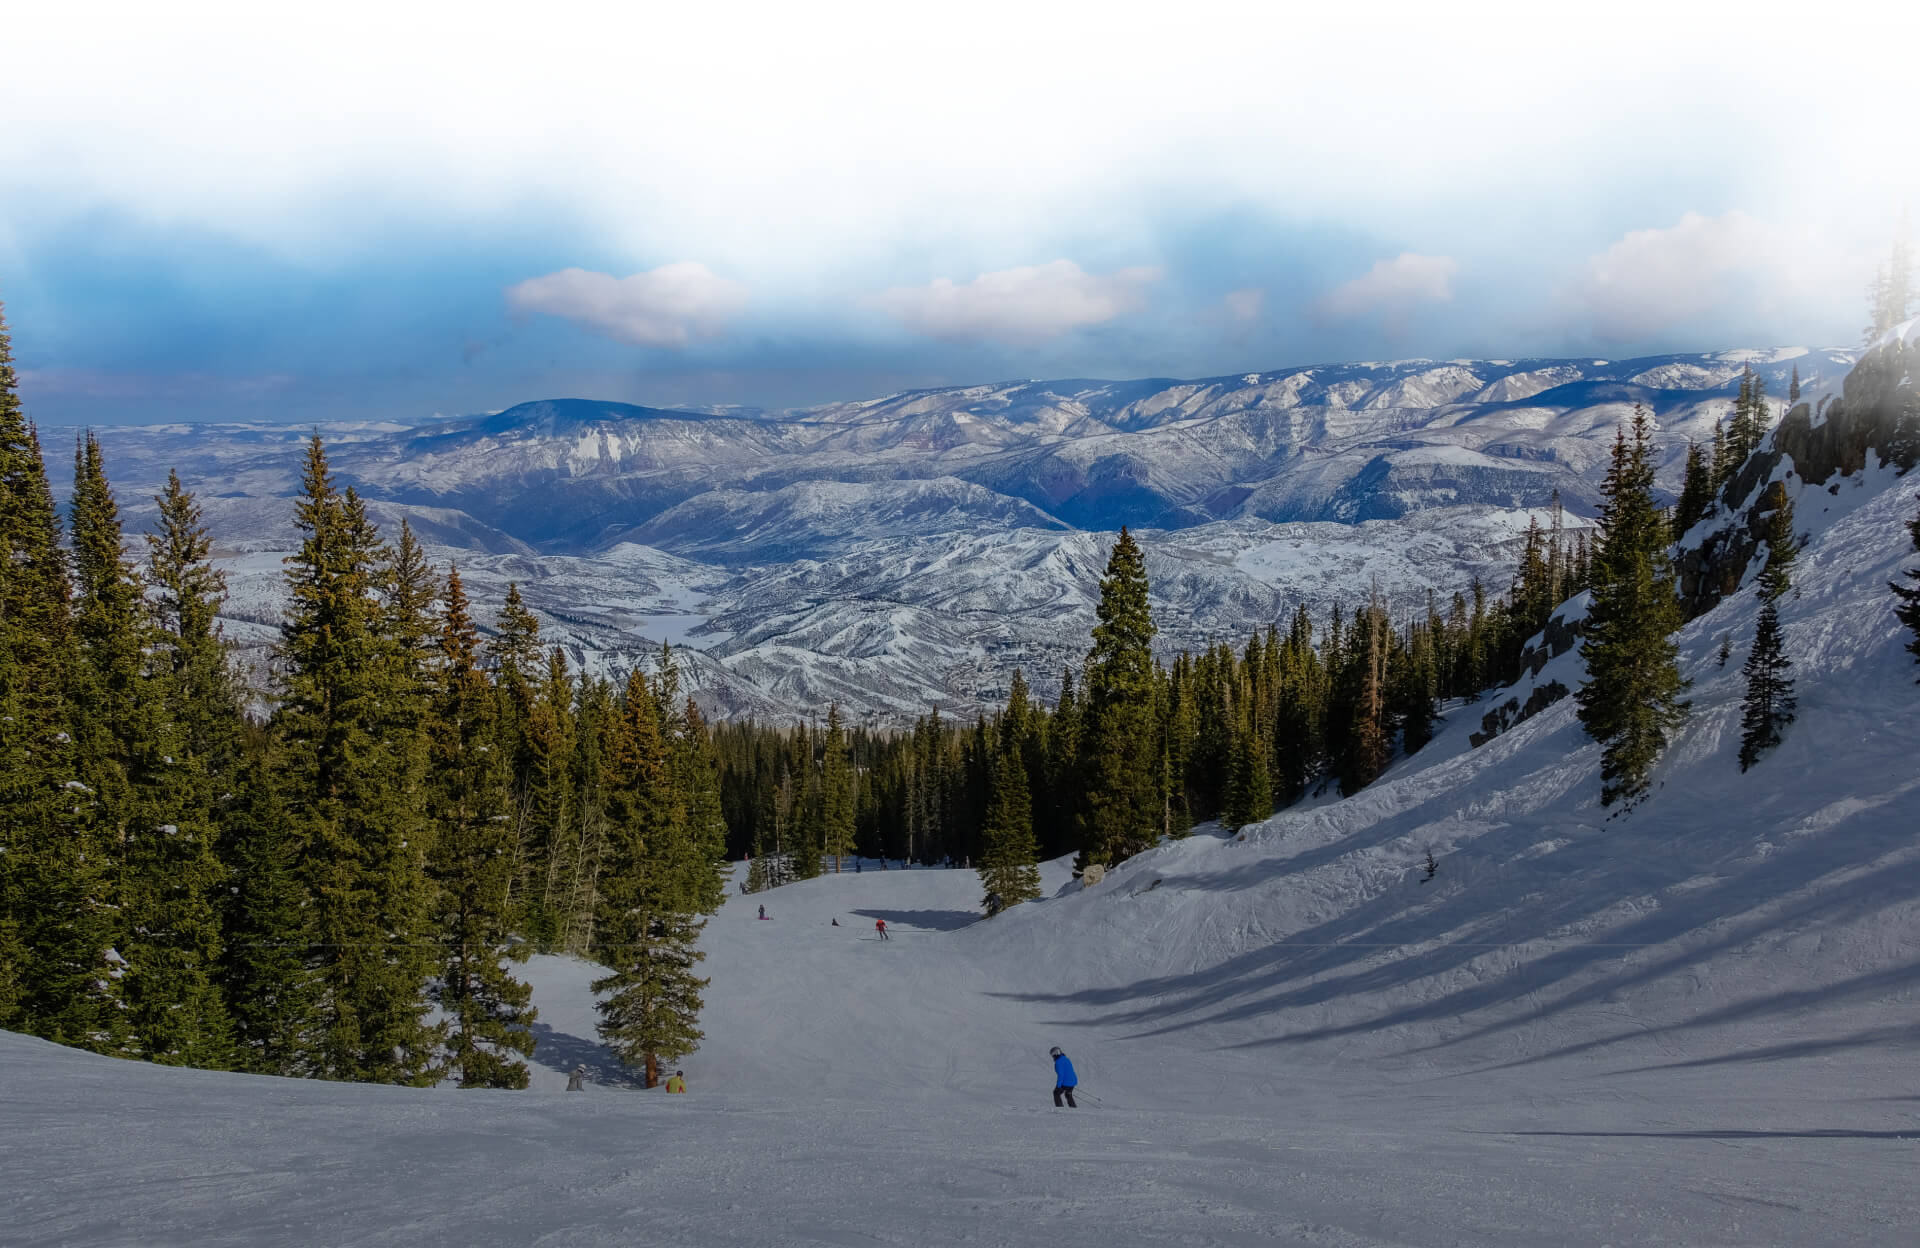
1691,1023
859,1092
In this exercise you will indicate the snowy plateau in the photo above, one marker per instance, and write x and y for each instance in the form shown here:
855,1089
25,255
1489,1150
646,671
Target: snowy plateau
1692,1023
913,550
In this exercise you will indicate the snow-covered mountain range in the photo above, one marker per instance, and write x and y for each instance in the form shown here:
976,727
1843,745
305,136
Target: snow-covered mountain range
913,549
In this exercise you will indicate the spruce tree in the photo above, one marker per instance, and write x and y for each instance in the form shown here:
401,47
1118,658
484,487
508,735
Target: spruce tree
519,666
1058,830
266,926
1630,701
551,814
1722,466
1120,799
1250,786
352,660
1769,703
836,793
1010,857
1782,549
57,962
1696,491
181,750
661,876
489,1018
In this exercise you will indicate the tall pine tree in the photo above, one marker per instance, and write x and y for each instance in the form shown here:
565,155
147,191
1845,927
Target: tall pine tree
57,922
488,1011
1120,798
1630,701
661,877
1010,857
352,680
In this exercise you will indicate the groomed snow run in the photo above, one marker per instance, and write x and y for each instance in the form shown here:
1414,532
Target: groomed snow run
1688,1024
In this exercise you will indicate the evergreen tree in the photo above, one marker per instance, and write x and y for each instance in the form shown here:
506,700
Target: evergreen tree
836,793
1120,801
57,962
661,877
1696,491
550,806
182,751
348,723
1769,702
263,970
1058,832
1630,701
1010,858
1782,548
1250,787
1793,388
488,1014
109,723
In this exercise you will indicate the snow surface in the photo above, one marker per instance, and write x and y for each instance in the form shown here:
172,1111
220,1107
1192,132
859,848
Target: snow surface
1687,1023
1690,1023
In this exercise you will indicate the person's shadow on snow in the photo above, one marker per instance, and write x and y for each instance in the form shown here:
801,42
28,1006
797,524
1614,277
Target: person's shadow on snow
557,1050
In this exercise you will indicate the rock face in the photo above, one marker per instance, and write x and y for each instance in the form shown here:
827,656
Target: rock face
1876,412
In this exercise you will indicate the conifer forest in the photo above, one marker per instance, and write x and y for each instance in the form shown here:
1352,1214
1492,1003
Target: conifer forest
335,875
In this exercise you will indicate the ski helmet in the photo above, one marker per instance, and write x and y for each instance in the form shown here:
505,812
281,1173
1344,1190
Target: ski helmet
1055,1052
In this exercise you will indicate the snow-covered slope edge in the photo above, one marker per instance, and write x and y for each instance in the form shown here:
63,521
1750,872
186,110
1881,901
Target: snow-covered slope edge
1757,914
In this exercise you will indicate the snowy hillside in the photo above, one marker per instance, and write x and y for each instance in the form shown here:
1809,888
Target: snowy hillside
1686,1023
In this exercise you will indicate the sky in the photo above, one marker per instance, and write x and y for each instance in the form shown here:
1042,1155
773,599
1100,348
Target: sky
381,211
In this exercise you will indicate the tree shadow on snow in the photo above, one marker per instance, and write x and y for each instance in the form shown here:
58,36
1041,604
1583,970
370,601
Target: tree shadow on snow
926,920
1901,1037
1686,899
557,1050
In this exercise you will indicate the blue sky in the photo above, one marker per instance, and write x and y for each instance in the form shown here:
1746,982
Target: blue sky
410,210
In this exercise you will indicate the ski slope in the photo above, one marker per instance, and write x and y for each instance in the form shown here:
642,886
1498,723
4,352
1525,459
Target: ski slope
1692,1023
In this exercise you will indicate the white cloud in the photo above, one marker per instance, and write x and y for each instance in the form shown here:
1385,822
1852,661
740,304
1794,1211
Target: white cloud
1654,279
1244,306
1393,287
1018,305
665,307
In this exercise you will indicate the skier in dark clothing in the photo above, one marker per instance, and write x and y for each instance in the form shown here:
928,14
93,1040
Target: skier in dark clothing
763,912
1064,1080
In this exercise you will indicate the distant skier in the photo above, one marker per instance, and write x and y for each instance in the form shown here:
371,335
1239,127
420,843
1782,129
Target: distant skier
577,1081
1064,1080
993,904
763,912
880,925
678,1083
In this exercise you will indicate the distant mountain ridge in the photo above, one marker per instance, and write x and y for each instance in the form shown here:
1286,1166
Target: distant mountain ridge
915,547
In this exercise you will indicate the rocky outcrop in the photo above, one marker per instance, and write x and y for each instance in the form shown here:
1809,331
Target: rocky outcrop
1877,411
1505,715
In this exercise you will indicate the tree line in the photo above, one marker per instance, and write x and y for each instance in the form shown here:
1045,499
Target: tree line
1135,748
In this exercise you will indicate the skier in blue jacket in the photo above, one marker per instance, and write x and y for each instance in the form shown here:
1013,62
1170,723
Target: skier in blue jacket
1064,1080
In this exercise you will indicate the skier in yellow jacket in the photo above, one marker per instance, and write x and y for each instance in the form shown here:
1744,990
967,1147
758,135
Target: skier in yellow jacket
678,1082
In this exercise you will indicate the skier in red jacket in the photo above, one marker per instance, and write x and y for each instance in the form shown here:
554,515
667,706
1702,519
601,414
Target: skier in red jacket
880,925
